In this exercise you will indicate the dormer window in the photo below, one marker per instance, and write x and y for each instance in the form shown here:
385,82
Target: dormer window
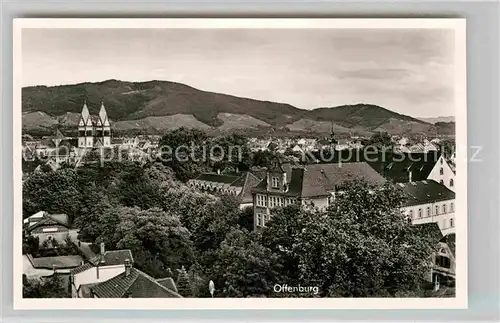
275,182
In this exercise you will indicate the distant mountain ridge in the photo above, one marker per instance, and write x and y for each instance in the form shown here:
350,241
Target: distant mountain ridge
435,120
161,105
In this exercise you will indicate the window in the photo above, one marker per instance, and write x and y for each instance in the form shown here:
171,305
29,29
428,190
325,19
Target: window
275,182
441,182
444,208
81,133
428,211
106,133
452,207
437,210
261,200
419,213
282,201
441,171
99,133
411,214
441,161
442,261
259,219
451,223
451,182
89,133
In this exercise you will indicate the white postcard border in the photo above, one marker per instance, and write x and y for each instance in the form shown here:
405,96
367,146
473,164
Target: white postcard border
458,302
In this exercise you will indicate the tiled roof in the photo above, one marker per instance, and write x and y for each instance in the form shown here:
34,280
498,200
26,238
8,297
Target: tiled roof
319,179
218,178
396,167
449,239
250,182
113,257
58,262
134,285
426,191
81,268
168,283
61,219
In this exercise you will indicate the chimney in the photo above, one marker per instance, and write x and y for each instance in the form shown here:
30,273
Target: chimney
102,249
409,176
218,171
128,265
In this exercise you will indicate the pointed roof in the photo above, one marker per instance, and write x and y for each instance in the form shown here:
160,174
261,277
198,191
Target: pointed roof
85,112
86,118
59,135
103,115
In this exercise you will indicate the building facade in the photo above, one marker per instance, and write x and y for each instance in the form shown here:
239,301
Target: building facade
94,132
237,184
430,202
443,173
311,186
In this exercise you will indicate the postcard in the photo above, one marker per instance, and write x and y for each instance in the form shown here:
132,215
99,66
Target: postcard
240,164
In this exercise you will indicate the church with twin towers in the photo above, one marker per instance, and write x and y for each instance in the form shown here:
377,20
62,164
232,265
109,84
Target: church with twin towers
94,131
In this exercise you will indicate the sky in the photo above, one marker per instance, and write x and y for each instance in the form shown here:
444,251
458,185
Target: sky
409,71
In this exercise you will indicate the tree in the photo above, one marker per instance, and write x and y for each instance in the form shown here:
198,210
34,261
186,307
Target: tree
182,150
381,253
31,245
54,192
381,140
45,287
183,284
233,151
361,246
156,238
243,267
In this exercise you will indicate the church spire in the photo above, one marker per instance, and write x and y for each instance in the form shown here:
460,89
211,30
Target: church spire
85,113
103,115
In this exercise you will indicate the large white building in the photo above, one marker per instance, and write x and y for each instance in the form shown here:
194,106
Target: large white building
443,173
430,202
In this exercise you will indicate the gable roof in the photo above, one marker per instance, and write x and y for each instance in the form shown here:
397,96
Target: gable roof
136,284
449,239
218,178
250,181
44,219
81,268
113,257
320,179
426,191
57,262
168,283
396,167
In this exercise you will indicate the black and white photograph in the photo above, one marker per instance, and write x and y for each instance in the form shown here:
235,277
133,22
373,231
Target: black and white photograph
240,163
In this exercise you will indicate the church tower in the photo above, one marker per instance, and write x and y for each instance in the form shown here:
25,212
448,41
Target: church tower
85,129
103,129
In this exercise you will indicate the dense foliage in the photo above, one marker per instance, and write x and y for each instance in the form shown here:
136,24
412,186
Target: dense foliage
45,287
361,246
